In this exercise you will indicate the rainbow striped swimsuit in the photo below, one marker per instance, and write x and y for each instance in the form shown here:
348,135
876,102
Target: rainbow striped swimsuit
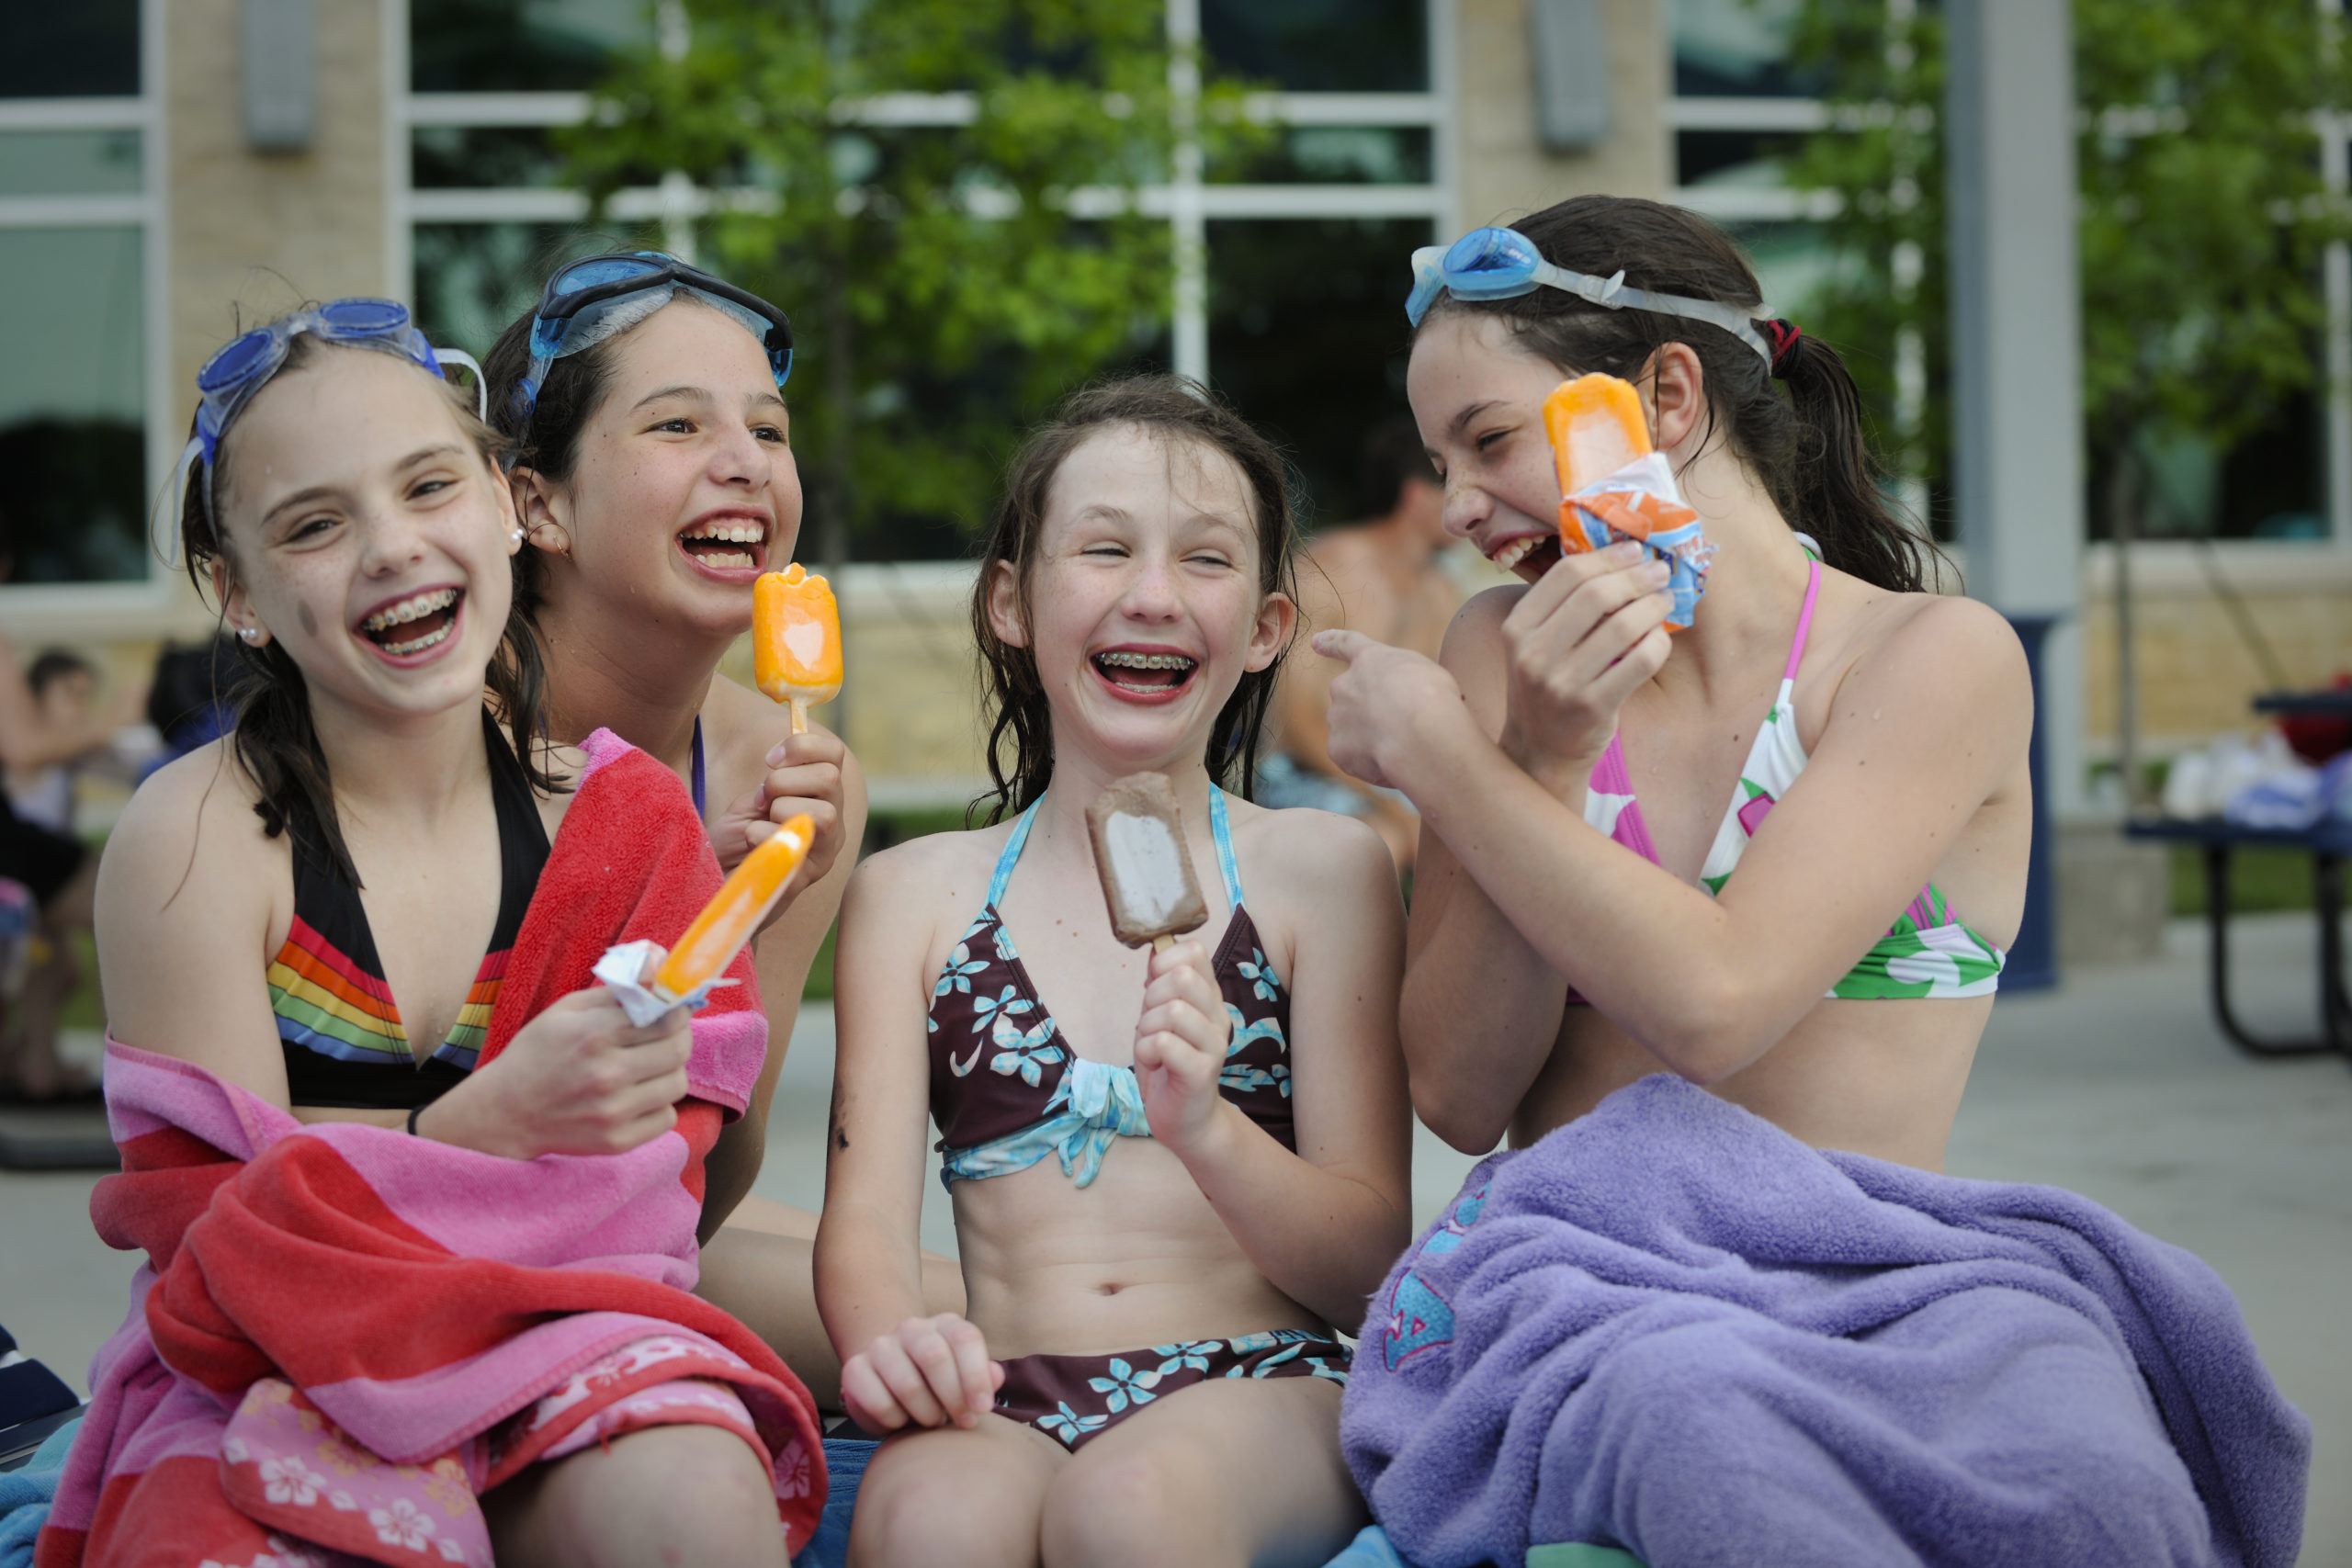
337,1023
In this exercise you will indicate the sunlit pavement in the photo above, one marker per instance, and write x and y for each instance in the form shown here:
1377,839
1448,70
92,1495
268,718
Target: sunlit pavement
2117,1087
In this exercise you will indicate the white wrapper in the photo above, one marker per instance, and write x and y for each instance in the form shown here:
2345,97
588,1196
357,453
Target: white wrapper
619,969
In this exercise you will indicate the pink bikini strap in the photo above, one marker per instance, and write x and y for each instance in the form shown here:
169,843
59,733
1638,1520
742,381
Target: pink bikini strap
1805,619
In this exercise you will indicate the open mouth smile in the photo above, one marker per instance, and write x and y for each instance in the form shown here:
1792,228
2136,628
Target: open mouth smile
726,544
409,627
1529,556
1138,675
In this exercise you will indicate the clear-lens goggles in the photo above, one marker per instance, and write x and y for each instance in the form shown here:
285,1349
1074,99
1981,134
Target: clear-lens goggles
233,375
245,365
1503,263
596,297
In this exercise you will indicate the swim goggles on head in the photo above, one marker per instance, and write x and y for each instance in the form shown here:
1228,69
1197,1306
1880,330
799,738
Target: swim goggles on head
1503,263
236,372
599,297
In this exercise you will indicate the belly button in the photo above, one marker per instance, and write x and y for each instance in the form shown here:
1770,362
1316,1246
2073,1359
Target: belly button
1110,1287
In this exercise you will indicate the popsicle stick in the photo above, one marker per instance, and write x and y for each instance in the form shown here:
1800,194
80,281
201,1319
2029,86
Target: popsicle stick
799,715
1162,943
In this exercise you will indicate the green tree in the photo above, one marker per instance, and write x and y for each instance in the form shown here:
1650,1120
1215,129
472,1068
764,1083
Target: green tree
2205,221
942,194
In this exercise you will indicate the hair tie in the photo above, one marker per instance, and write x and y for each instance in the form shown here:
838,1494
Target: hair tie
1784,336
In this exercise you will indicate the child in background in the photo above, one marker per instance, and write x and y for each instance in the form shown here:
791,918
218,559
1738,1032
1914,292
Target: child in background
1172,1170
64,687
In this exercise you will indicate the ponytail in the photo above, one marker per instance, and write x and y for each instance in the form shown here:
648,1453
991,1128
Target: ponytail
1809,447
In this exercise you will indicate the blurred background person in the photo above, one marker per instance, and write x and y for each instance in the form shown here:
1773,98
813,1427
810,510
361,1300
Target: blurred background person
64,686
57,868
1385,578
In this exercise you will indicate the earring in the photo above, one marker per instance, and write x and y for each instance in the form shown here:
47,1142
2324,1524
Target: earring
250,635
516,538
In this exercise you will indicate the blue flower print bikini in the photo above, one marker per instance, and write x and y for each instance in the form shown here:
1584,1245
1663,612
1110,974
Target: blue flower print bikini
1007,1090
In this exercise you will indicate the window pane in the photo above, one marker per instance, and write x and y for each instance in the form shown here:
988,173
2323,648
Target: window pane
1321,46
1736,49
84,49
518,46
63,162
72,420
1747,158
1307,337
1336,154
474,279
442,156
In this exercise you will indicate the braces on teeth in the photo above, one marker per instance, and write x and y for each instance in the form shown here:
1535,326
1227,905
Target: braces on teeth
409,610
1147,661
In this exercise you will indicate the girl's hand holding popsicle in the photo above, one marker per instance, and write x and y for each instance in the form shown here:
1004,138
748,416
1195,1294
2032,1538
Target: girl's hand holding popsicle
1180,1048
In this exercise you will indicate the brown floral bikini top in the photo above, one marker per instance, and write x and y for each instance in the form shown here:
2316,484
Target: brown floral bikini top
1006,1087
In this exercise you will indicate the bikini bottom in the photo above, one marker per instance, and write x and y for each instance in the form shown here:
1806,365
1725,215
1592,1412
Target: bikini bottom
1076,1398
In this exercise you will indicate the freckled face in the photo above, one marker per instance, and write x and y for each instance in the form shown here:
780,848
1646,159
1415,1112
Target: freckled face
1478,398
367,534
1144,609
685,488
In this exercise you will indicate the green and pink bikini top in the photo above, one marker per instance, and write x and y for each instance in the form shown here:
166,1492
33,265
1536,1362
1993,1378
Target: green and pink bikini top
1925,953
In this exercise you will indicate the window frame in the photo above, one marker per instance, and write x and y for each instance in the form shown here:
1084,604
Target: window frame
88,612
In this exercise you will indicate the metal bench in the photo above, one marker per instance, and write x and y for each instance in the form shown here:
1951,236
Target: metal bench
2328,843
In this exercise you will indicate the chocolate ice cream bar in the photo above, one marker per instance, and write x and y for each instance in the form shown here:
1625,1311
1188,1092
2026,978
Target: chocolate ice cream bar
1139,852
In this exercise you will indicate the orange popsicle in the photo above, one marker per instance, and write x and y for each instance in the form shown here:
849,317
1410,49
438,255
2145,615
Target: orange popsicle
727,921
1596,426
796,640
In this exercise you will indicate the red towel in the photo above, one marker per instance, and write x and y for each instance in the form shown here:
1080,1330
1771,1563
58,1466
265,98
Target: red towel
345,1333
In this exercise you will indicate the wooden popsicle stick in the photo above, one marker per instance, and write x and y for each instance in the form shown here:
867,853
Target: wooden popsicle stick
1162,943
799,715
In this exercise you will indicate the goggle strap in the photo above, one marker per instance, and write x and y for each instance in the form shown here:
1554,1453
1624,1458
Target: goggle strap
164,516
1611,293
449,356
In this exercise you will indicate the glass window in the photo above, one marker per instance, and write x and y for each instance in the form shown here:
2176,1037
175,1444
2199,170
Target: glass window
474,279
1745,158
1336,154
1736,49
1307,337
86,49
445,156
59,163
72,411
1322,46
518,46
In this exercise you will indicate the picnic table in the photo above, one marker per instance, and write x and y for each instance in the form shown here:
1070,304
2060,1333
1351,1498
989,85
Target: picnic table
2327,841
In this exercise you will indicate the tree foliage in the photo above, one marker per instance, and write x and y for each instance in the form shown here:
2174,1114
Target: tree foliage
2204,217
944,281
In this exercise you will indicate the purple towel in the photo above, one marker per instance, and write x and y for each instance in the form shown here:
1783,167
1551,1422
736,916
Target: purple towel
1672,1327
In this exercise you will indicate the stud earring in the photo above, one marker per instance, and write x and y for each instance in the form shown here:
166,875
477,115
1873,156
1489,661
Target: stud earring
251,635
517,538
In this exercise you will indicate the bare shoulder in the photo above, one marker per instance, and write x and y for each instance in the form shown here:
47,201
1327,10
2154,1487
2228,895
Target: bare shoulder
1304,859
1478,626
937,871
192,822
1936,643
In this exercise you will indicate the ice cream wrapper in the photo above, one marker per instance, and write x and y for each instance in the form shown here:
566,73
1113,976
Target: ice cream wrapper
619,969
1640,502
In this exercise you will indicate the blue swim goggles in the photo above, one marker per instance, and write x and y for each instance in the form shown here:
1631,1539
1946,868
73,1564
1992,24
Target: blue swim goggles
232,377
1503,263
598,296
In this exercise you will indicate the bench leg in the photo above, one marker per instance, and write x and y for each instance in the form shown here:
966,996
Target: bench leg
2217,917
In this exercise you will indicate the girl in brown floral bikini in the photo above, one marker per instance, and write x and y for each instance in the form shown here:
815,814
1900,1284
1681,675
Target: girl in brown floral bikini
1172,1182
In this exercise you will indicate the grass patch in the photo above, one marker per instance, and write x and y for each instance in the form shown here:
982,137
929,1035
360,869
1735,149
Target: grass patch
2260,881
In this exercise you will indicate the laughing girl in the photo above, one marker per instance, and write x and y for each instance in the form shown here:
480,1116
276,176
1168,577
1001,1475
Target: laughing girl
318,909
1821,781
1172,1171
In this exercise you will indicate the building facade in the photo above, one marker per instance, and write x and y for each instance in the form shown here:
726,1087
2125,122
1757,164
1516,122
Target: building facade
170,171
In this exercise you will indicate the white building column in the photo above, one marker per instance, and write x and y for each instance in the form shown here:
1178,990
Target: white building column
2017,362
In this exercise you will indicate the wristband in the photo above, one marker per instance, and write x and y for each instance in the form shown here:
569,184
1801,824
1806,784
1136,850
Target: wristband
412,1115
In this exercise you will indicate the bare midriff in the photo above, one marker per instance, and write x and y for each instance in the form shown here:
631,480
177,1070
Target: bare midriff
1136,1259
1876,1078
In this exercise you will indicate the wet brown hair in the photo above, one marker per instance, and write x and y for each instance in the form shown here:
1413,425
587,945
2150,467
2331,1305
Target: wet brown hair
1172,408
1809,448
275,740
